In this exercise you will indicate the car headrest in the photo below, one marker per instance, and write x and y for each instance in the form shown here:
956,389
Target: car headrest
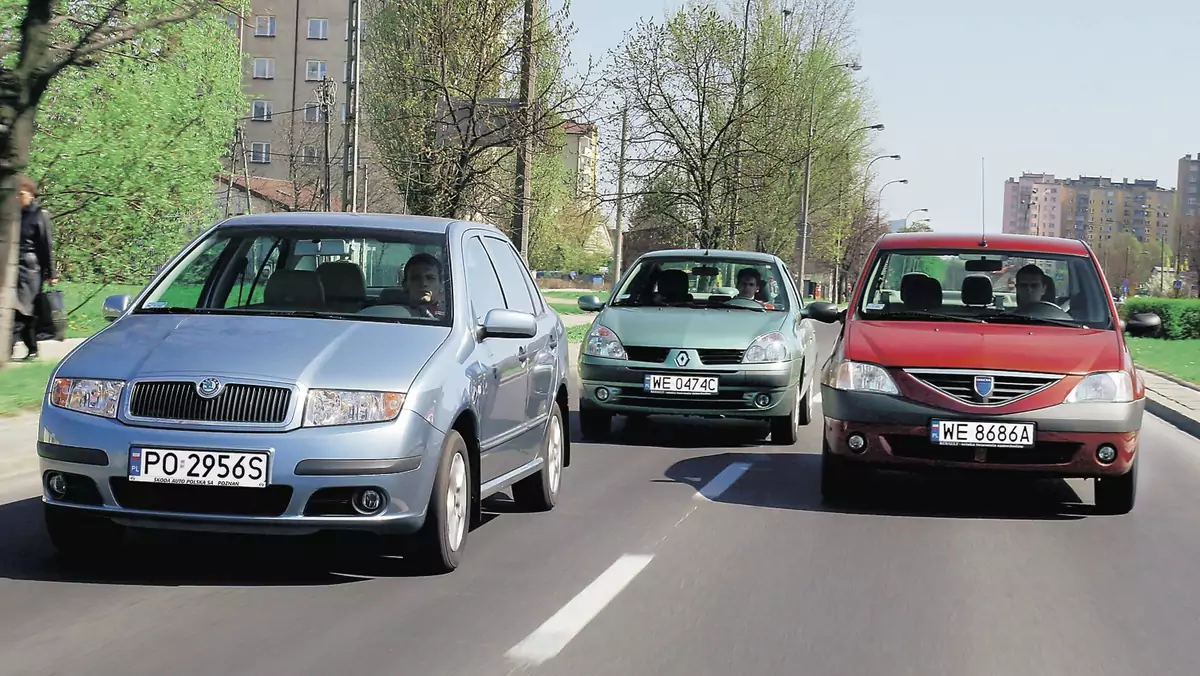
1050,295
343,281
393,295
977,290
294,288
910,287
931,293
673,284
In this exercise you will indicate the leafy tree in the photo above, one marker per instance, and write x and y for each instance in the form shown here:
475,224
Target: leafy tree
917,226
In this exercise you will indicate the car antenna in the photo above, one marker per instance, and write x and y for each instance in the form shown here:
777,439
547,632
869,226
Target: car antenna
982,206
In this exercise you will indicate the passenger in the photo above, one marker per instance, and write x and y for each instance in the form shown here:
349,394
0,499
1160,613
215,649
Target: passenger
1031,286
421,280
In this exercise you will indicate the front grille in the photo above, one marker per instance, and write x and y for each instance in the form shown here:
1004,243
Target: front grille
1006,387
237,403
1043,453
727,400
650,355
215,500
720,357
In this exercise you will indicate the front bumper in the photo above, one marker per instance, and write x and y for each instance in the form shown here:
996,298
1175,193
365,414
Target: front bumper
897,436
313,472
738,385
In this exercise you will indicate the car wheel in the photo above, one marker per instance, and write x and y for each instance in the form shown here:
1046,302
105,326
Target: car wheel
806,408
78,535
840,479
785,429
1117,494
539,492
441,540
594,424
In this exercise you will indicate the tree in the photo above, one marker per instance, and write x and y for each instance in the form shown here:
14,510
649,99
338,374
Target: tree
47,44
917,226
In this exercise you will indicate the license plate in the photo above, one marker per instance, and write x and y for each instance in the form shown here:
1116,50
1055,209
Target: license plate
989,434
240,469
680,384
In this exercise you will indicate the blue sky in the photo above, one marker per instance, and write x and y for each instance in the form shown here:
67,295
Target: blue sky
1069,87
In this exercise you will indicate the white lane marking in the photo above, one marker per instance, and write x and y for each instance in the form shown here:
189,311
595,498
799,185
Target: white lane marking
721,482
555,633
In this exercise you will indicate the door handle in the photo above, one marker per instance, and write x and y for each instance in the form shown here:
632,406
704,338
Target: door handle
522,353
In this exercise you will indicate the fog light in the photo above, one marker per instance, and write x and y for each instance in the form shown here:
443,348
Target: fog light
857,443
762,401
57,484
368,501
602,393
1106,454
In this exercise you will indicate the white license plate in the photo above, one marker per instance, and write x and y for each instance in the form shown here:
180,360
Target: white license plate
990,434
239,469
680,384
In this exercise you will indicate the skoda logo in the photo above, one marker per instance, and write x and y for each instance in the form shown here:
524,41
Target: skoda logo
208,388
681,359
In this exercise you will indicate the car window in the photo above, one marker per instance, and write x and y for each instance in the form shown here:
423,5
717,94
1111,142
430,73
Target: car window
704,281
996,286
482,280
513,277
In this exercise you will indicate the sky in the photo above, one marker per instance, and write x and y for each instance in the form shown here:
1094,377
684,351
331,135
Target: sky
973,93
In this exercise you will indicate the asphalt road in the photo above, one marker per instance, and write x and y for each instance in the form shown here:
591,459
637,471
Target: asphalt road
678,549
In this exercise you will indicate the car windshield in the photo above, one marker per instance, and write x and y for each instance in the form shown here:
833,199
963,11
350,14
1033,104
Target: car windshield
704,282
322,272
996,287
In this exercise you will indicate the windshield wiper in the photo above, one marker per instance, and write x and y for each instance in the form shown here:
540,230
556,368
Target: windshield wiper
921,314
173,310
1026,319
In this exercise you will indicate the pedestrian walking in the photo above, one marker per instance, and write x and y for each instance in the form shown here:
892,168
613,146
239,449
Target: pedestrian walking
35,265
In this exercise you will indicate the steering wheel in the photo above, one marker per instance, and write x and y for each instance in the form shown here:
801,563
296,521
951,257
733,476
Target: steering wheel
746,303
1045,309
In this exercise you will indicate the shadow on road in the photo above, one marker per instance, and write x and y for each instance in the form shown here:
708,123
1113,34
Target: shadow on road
168,558
678,432
792,481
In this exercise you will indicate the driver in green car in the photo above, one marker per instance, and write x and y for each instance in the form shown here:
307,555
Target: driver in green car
1031,286
749,281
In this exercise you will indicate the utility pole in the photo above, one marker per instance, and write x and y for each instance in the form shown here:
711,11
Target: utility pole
325,96
525,143
619,236
737,148
350,153
808,153
246,169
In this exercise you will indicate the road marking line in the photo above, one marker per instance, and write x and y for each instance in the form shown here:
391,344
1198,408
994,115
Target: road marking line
555,633
721,482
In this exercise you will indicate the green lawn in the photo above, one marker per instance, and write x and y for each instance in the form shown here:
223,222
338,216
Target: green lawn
576,334
22,386
1180,358
85,303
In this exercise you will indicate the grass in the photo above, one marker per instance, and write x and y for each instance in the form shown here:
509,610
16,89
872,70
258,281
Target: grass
85,303
23,385
1180,358
576,334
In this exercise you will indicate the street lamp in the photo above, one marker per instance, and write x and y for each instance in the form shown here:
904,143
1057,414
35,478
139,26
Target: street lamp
867,172
812,131
879,201
914,211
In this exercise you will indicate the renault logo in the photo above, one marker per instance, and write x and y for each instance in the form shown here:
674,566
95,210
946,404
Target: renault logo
209,388
681,359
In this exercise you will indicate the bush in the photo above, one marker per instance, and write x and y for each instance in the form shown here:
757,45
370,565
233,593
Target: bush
1180,316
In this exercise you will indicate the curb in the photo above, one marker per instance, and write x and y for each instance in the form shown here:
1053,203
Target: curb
1183,422
1168,376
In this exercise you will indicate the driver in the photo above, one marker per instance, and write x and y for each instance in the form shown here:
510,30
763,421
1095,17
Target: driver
749,281
421,280
1031,286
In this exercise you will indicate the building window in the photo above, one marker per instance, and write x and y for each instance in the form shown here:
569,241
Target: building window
314,70
264,26
312,113
260,111
318,29
260,153
264,69
310,155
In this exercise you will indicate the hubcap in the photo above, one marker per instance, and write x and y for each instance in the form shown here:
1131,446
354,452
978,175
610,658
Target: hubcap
456,502
554,445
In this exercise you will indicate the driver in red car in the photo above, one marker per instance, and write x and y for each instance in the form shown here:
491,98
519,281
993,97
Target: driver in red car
1031,286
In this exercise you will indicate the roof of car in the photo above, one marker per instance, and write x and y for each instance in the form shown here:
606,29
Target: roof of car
715,253
966,240
336,219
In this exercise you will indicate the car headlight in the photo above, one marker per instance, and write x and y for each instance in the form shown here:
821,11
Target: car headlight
1115,387
767,349
854,376
603,342
87,395
350,407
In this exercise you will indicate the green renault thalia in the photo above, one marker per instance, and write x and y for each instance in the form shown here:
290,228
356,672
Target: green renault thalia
707,333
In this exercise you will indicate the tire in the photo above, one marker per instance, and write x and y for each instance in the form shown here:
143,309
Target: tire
840,479
594,424
785,429
539,492
806,407
1117,494
440,543
77,535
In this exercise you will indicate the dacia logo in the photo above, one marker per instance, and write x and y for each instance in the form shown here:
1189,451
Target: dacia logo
208,388
984,385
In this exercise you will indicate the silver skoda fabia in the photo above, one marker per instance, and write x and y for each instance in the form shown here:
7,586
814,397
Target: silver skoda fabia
306,372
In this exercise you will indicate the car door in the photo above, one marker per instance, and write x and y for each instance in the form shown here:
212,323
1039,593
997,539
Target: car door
498,370
805,332
522,296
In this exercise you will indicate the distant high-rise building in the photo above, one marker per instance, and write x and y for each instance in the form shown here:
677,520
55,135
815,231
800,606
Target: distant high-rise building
1183,238
1091,208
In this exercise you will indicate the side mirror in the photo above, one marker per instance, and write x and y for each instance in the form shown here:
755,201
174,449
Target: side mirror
509,324
590,303
1142,324
826,313
115,306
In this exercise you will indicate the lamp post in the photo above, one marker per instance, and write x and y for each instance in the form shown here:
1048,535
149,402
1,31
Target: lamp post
867,172
812,131
879,202
914,211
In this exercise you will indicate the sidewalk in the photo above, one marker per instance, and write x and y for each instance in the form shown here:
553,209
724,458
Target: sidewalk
1173,400
49,350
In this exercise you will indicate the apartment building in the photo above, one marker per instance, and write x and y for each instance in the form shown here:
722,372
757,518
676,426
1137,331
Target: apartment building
1187,208
1091,208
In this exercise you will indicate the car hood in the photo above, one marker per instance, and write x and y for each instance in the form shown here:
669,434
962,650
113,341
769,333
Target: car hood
706,328
328,353
1042,349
